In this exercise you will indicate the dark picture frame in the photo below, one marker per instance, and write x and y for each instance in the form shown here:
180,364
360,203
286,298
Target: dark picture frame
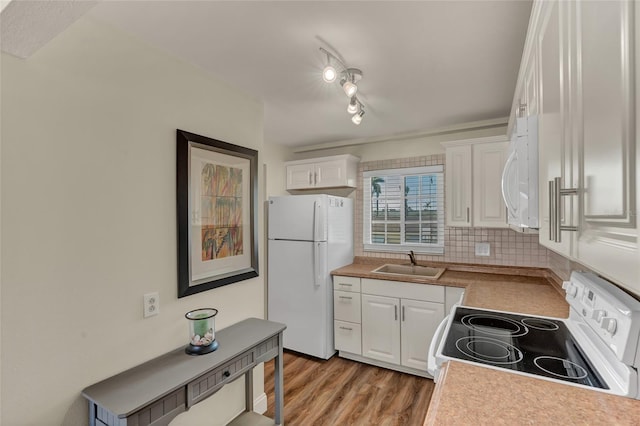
217,190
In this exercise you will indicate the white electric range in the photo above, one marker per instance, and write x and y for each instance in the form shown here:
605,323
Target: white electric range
597,347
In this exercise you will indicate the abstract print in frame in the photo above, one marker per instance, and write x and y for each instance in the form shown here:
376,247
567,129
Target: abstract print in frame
217,206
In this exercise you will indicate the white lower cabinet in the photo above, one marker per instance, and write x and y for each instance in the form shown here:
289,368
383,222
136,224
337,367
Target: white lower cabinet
381,331
347,331
388,323
348,336
419,321
346,306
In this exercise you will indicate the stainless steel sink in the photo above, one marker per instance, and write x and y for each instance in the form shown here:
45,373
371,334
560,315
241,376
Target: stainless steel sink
411,270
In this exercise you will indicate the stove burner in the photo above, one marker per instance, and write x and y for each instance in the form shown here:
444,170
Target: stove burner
560,367
494,325
486,349
540,324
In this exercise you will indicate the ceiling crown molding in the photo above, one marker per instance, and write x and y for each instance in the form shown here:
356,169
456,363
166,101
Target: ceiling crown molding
464,127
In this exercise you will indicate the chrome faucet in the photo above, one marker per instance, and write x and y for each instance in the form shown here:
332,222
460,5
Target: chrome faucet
412,257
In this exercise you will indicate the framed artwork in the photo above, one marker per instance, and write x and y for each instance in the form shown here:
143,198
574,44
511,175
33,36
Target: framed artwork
217,211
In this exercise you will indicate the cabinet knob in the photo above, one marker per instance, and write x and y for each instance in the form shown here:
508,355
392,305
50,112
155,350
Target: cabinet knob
226,374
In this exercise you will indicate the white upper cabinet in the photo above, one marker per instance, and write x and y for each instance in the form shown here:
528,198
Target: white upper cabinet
554,138
605,123
338,171
458,186
489,210
473,175
585,90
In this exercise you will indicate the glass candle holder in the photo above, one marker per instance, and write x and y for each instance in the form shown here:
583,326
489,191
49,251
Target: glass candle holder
202,332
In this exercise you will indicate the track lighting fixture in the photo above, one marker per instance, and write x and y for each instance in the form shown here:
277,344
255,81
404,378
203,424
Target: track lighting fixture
348,81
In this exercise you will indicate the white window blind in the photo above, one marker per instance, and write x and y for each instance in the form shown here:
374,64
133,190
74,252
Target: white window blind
404,209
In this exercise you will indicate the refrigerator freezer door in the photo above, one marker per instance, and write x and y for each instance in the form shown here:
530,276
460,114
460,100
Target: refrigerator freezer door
298,217
298,295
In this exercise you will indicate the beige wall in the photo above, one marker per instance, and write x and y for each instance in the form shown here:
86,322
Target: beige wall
89,218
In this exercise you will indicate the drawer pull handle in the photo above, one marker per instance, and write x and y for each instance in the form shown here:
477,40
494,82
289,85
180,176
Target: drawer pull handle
345,297
345,284
226,374
346,328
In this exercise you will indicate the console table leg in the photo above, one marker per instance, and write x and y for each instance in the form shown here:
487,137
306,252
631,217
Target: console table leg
278,385
248,390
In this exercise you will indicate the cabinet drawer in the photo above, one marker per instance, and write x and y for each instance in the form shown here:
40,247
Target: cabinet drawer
346,283
346,306
211,382
403,290
160,412
348,337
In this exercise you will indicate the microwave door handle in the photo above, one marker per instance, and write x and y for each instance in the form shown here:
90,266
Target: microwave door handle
433,347
504,183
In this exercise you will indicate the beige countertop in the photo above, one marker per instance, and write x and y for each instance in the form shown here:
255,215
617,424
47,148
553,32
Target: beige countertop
523,290
468,394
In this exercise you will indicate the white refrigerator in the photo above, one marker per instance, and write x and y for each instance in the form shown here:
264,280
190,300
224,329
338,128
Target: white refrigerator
309,236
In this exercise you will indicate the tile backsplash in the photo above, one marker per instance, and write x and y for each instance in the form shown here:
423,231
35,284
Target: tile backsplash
506,247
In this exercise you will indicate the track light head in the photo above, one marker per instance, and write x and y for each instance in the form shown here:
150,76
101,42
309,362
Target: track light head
353,105
329,74
349,88
357,118
348,81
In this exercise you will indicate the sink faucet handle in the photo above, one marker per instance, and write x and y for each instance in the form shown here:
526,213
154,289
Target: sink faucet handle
412,257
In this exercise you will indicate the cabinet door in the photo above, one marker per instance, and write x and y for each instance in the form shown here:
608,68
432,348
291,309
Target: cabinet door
300,176
330,173
419,323
489,210
555,150
458,186
381,328
530,98
608,229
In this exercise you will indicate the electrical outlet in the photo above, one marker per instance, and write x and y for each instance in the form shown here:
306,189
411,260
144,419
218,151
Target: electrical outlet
483,249
151,304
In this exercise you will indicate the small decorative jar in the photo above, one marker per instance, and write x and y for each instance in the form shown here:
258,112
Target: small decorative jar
202,334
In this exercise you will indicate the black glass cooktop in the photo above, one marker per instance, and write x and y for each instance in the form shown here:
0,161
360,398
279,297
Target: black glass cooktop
538,346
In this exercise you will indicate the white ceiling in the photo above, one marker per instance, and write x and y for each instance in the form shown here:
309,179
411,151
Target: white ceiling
427,64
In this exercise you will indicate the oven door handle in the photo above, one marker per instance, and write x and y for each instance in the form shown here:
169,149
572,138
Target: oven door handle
432,367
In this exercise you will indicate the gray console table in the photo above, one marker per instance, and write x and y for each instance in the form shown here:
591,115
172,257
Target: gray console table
155,392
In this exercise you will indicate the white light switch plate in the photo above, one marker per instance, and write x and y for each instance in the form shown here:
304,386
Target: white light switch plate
483,249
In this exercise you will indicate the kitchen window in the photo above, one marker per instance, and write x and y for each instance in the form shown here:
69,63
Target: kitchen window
404,210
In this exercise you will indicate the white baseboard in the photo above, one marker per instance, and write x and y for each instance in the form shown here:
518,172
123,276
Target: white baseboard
363,359
260,404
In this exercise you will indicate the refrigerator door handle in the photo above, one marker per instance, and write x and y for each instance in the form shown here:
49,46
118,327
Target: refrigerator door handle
316,220
317,266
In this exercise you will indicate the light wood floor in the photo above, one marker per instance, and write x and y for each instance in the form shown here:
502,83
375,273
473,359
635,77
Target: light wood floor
344,392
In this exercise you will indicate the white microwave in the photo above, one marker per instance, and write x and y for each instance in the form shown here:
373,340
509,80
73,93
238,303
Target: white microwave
520,177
